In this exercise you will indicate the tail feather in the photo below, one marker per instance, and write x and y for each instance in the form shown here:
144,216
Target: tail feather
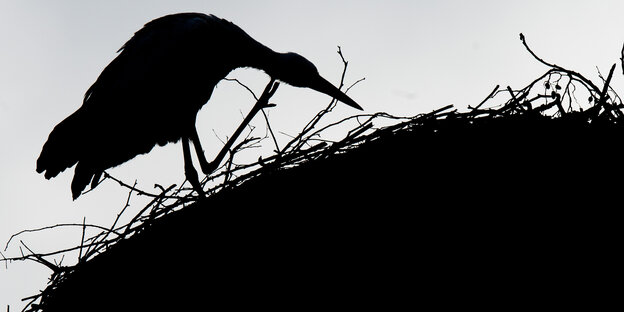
79,141
62,149
83,175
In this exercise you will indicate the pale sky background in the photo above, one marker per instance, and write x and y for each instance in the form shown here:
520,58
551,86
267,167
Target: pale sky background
416,56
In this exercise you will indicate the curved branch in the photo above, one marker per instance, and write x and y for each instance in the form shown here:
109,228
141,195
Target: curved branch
557,67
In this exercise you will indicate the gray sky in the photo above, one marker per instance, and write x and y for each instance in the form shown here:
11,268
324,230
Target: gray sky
416,56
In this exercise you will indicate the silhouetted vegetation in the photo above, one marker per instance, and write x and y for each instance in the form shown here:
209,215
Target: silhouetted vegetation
507,204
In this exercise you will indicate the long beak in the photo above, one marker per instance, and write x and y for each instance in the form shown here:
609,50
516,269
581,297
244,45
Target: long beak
324,86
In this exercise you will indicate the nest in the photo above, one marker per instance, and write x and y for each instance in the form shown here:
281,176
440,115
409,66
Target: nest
361,197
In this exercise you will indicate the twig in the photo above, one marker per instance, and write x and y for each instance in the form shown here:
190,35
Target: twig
353,84
617,97
84,220
141,192
514,101
39,258
131,188
487,98
6,261
262,102
266,118
603,95
55,226
62,251
89,251
162,195
622,58
539,59
559,68
344,71
242,85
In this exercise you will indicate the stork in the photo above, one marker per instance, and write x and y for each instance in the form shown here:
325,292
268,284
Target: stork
151,92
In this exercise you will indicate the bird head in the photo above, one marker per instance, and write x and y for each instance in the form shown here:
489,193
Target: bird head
297,71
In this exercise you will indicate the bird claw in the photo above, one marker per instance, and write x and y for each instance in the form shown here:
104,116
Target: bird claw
209,167
191,176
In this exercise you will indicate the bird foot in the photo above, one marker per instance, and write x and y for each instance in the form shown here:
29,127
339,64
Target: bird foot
192,177
197,188
208,167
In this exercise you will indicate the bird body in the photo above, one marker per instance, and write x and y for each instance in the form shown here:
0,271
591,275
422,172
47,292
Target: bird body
151,92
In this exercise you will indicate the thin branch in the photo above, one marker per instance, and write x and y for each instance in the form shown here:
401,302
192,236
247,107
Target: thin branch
162,195
487,98
242,85
266,118
353,84
58,225
262,102
84,220
141,192
89,252
39,258
557,67
603,95
62,251
622,59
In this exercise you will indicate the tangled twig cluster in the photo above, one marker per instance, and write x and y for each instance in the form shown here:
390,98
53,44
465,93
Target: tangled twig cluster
553,94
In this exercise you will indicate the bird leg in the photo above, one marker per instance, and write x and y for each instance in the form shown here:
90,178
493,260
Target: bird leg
206,167
263,102
189,170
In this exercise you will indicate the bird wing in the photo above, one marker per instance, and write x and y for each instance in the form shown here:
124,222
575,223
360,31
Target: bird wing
144,97
149,94
164,47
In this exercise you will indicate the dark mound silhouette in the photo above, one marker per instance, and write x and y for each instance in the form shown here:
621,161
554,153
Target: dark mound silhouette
446,213
515,206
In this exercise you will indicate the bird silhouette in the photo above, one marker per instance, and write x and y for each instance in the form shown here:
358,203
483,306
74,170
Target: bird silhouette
152,91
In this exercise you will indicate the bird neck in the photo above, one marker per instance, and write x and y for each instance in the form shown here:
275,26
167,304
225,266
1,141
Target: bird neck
265,59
